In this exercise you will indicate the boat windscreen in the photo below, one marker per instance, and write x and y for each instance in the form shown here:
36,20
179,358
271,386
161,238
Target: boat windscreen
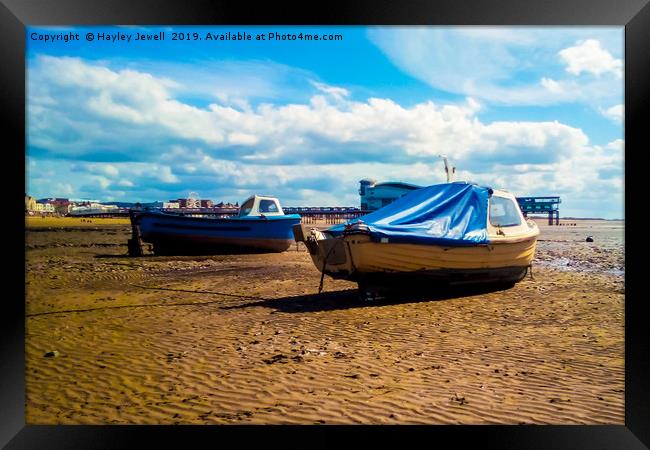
246,208
268,206
504,212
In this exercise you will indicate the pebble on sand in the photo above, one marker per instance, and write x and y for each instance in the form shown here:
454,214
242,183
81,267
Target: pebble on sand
51,354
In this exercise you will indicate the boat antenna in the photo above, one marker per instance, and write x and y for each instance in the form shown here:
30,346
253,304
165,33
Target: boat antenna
451,172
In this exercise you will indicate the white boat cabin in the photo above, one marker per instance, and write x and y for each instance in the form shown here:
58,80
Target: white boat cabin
257,206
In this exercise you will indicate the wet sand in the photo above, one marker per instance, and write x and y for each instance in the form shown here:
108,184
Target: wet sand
247,339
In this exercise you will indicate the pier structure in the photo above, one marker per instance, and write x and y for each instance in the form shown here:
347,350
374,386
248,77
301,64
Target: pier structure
541,205
98,213
329,214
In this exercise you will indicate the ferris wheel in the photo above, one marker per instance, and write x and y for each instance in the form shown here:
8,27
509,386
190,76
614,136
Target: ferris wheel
193,200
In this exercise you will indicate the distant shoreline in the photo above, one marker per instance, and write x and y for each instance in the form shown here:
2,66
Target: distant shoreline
579,218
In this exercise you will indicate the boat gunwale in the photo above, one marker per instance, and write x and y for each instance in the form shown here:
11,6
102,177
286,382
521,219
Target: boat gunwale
168,215
494,240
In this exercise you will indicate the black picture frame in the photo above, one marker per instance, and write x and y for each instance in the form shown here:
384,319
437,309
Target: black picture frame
15,15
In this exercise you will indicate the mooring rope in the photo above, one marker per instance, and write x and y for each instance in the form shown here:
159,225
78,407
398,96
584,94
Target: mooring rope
322,275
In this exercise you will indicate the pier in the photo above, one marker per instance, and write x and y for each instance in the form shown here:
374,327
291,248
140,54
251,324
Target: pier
331,215
541,205
328,214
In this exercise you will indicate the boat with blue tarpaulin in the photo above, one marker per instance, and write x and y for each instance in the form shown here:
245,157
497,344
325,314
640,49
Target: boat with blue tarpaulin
452,233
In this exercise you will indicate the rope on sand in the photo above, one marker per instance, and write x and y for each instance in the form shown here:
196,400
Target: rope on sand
322,274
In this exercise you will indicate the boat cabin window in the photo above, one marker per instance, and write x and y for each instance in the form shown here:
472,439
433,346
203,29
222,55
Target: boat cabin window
268,206
504,212
246,207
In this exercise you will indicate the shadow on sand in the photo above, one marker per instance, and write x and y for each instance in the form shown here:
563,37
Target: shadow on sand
120,255
350,298
153,257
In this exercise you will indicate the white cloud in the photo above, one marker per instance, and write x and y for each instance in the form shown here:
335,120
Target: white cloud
312,152
588,171
103,182
107,169
63,189
103,169
473,106
126,96
552,86
336,92
271,133
496,63
615,113
618,145
589,56
275,133
164,174
236,138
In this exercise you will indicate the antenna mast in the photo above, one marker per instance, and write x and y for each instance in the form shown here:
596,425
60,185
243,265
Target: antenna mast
450,173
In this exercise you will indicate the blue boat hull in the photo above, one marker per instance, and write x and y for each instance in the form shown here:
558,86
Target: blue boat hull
181,235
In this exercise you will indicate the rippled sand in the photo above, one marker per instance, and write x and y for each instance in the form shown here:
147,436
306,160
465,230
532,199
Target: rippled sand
246,339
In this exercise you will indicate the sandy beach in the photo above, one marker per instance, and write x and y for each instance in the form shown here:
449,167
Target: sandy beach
112,339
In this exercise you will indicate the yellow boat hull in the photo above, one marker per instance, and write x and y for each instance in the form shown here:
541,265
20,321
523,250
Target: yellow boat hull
357,258
377,257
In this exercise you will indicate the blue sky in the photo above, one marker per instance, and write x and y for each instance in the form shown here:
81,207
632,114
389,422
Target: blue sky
533,110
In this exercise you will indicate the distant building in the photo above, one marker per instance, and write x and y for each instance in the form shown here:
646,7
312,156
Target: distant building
227,205
30,203
42,206
192,202
61,205
377,195
182,202
171,205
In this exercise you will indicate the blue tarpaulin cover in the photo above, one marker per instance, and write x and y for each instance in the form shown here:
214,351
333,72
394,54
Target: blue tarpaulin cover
443,214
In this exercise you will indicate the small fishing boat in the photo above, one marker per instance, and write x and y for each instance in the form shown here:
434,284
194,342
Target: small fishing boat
260,227
451,233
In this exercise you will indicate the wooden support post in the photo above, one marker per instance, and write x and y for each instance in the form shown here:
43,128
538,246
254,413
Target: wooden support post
135,243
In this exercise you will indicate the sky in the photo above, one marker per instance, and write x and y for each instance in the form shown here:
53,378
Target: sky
532,110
